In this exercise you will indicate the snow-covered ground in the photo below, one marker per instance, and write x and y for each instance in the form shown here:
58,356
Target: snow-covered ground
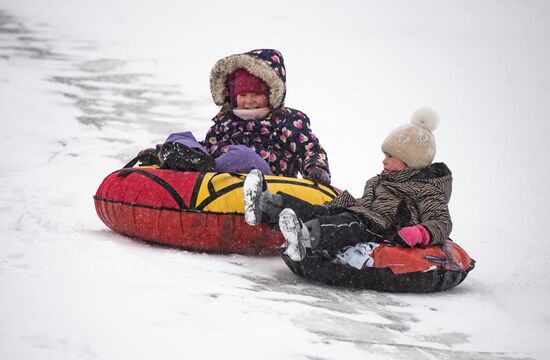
84,85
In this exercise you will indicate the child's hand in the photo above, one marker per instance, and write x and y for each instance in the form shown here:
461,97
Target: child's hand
148,157
319,175
414,235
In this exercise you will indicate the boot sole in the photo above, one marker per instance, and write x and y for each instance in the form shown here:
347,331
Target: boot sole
290,228
252,189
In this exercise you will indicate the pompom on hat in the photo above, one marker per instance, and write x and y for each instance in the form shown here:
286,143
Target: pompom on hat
414,143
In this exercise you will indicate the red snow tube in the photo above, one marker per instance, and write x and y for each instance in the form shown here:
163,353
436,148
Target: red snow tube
391,268
198,211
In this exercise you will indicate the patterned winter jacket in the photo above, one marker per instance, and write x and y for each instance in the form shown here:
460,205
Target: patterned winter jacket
283,138
395,200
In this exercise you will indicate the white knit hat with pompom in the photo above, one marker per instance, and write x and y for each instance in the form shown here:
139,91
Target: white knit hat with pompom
414,143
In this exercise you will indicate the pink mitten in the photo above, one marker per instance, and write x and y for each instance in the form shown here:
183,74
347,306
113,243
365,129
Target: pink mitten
415,235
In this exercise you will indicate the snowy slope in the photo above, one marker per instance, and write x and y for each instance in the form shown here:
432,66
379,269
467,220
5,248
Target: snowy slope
85,85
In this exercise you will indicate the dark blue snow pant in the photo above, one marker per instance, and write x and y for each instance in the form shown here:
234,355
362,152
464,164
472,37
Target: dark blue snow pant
332,229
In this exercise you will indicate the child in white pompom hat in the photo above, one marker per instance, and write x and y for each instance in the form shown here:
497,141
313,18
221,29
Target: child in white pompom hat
406,204
413,144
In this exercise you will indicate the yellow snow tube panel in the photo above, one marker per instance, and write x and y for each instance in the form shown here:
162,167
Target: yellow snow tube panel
223,192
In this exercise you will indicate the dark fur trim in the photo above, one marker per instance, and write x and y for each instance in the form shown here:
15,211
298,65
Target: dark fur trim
434,171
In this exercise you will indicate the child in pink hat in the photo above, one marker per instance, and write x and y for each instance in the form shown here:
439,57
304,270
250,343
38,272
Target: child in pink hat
253,129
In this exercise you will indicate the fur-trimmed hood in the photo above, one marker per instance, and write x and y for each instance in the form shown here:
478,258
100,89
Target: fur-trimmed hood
267,64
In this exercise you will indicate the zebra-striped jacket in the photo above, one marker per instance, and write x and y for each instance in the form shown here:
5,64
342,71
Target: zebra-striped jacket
393,200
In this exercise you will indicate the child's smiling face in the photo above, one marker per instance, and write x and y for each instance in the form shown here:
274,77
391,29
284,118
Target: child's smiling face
392,163
251,101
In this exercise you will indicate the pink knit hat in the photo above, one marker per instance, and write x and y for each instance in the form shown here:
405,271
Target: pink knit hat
241,82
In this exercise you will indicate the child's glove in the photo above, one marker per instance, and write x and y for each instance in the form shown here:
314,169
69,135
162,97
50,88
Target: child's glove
319,175
414,235
145,157
148,157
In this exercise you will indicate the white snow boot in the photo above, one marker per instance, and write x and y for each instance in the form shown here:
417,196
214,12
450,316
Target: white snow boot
295,233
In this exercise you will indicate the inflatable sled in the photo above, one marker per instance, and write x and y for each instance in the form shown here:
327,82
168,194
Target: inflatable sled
192,210
387,268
